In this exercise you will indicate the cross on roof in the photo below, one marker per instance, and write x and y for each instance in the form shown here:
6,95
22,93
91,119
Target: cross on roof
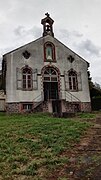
47,14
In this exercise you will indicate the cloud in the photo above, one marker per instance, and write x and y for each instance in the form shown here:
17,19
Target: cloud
36,31
89,48
65,33
20,36
77,34
97,79
22,31
69,38
19,30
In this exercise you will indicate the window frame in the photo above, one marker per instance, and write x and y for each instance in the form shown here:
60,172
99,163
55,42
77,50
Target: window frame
27,80
50,74
25,106
73,81
51,45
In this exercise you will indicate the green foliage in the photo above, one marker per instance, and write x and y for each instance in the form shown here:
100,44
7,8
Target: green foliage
96,103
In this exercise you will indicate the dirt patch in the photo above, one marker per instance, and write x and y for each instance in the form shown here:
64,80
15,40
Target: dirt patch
85,158
88,153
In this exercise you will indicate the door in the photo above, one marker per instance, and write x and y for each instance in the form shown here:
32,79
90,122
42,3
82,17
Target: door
50,90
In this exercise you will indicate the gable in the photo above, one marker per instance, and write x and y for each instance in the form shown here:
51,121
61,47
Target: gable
65,57
63,49
56,42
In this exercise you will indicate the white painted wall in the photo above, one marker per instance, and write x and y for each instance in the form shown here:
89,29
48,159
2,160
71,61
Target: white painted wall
15,60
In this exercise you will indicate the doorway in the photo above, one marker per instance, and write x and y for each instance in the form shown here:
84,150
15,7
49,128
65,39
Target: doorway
50,90
50,83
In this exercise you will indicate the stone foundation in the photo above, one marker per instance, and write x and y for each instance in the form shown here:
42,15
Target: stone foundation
45,106
17,108
72,107
13,107
85,107
69,107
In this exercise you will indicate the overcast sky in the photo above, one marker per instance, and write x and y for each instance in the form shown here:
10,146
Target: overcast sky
76,23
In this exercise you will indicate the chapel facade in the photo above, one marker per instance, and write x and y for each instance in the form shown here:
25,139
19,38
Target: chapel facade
46,76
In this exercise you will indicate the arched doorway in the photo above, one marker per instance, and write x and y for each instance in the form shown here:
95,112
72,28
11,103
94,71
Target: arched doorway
51,88
50,84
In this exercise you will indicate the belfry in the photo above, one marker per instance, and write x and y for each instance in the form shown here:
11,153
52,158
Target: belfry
47,23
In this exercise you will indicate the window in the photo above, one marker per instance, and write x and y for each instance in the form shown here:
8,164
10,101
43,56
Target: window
50,75
49,52
27,78
73,84
27,107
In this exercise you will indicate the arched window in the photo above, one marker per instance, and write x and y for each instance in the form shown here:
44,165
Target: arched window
27,78
50,74
73,84
49,52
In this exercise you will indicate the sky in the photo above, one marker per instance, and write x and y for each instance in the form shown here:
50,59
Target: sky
77,24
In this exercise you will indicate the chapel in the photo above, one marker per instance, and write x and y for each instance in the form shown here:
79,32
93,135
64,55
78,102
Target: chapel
45,76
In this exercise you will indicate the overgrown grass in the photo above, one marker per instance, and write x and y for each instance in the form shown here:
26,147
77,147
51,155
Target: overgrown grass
36,145
87,115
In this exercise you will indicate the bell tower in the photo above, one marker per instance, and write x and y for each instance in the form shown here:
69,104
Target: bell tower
47,23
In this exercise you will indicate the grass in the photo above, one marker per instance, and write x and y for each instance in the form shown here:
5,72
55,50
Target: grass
35,145
87,115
